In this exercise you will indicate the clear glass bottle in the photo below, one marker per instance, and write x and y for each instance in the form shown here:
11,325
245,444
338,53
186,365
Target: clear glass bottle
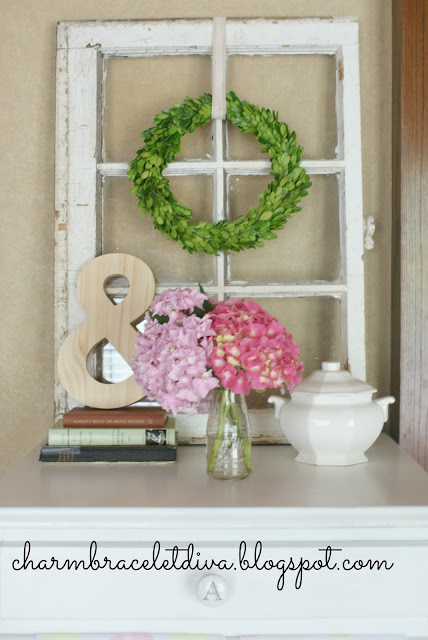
228,436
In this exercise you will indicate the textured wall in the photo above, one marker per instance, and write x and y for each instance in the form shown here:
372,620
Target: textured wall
27,131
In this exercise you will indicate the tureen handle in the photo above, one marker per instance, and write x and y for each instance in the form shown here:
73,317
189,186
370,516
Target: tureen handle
279,403
383,403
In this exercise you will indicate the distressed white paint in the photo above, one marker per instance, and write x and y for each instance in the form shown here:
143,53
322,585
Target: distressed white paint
219,62
61,212
232,167
369,229
265,429
352,216
76,185
82,48
219,197
244,289
246,36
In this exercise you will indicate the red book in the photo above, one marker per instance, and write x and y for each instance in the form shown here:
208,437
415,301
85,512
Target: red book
127,417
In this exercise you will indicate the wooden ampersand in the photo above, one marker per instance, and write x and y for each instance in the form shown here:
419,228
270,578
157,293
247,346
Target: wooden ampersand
105,321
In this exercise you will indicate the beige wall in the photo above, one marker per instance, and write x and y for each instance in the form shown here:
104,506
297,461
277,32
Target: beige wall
27,131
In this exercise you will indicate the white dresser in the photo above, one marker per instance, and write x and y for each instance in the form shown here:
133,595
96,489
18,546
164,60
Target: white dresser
354,539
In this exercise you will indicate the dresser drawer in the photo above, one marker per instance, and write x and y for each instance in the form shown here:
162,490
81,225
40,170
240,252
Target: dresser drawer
247,588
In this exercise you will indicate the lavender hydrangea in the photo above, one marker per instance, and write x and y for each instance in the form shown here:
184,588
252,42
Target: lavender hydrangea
171,361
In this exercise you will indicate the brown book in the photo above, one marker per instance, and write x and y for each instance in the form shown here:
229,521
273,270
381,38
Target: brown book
127,417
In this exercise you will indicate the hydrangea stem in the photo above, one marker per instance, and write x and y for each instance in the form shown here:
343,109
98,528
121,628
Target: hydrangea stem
220,433
229,411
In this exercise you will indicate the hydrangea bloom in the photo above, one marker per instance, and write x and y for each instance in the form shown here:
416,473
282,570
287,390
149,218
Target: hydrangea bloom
171,362
252,349
175,302
237,345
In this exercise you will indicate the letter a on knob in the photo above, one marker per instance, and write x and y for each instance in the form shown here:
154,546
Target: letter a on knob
106,321
212,590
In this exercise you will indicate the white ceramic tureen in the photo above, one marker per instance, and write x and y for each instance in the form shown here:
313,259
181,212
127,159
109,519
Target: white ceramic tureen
331,418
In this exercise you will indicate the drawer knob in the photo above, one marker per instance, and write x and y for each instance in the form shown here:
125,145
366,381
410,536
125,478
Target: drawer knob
212,590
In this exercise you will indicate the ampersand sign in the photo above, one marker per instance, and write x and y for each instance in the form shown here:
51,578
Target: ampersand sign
109,321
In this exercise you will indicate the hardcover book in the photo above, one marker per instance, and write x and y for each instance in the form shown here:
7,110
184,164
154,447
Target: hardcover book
127,417
60,436
108,454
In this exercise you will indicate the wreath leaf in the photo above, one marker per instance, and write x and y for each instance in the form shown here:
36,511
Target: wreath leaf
276,204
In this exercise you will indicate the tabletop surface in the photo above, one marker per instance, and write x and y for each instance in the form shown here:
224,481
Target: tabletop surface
390,478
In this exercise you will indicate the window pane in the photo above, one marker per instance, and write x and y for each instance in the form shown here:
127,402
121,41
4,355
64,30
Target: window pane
115,369
315,326
300,87
139,88
124,230
307,248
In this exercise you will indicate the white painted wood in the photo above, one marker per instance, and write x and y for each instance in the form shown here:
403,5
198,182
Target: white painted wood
343,269
354,496
377,510
326,593
369,229
352,218
232,167
114,37
310,35
76,185
219,199
265,428
82,48
83,150
219,69
238,289
61,210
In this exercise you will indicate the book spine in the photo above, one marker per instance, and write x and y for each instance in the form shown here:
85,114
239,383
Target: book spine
116,437
108,454
71,421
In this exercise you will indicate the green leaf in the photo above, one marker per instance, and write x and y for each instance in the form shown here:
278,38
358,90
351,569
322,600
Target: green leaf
160,319
199,312
208,306
276,204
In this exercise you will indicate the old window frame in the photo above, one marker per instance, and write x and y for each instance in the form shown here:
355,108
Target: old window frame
84,48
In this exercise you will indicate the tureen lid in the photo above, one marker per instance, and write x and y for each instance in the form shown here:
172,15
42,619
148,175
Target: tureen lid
332,379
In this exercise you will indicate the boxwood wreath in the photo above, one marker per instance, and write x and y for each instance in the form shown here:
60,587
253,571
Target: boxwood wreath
276,204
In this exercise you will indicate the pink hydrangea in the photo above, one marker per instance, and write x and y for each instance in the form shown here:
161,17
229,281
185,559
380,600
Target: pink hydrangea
173,301
181,356
171,364
252,349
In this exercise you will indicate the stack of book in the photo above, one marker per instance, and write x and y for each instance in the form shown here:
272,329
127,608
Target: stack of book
131,434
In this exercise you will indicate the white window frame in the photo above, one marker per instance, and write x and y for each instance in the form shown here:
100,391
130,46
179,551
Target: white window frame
83,50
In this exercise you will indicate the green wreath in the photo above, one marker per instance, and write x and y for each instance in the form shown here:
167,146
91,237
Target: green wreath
276,204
